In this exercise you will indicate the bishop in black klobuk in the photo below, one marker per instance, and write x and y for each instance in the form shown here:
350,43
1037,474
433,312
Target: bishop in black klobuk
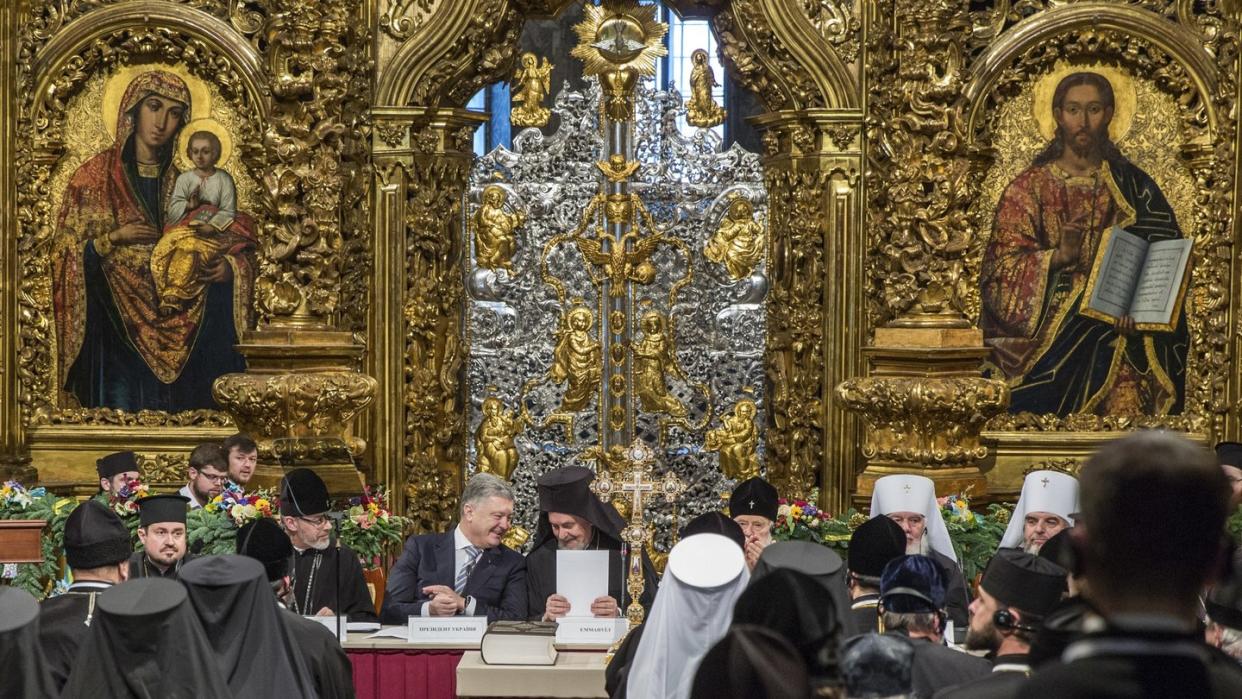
161,528
571,517
97,548
146,641
332,673
26,676
1017,592
753,505
872,545
256,652
705,576
322,571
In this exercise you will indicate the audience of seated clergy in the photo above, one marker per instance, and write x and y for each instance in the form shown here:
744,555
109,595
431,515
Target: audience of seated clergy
706,574
573,518
331,670
243,456
803,611
1229,456
875,666
146,641
161,529
910,501
1154,507
912,604
753,506
209,469
324,572
257,655
26,675
872,545
1017,591
465,571
751,661
115,470
1048,502
97,548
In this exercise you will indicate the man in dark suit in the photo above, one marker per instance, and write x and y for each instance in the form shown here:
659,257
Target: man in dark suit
1154,507
466,571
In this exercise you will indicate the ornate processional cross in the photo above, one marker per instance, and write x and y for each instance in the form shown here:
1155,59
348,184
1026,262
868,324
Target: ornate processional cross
639,461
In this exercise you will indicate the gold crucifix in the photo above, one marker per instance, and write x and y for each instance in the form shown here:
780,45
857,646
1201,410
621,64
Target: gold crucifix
639,461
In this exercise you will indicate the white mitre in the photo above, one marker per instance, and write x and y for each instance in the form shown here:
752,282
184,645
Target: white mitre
1042,491
907,493
706,573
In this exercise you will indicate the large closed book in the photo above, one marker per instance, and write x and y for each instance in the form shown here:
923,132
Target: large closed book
519,643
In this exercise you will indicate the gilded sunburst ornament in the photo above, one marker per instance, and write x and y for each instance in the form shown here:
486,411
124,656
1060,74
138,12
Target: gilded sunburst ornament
620,35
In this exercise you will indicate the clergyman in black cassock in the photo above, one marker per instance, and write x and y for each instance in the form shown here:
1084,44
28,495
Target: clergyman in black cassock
567,491
96,545
872,545
25,674
321,569
333,674
912,591
146,642
161,528
1017,592
231,596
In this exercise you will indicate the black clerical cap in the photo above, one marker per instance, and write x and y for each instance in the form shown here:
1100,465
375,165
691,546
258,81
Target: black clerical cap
873,544
119,462
751,661
154,509
142,597
874,665
263,540
303,493
95,537
1060,550
1229,454
912,585
1024,581
809,558
753,496
17,609
715,523
568,491
1224,604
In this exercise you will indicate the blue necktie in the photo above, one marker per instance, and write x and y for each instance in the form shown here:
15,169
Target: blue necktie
472,555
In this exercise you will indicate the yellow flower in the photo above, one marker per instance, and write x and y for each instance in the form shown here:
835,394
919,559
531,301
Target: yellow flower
795,511
262,503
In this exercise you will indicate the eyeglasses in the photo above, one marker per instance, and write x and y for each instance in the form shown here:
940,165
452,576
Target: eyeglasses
317,521
214,479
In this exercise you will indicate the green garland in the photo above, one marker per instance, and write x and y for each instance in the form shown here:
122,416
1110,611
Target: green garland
39,578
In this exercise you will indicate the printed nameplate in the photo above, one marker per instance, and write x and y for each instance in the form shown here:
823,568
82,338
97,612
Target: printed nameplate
447,629
590,631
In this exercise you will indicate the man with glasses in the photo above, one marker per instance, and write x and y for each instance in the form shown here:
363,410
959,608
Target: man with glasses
161,529
323,571
209,469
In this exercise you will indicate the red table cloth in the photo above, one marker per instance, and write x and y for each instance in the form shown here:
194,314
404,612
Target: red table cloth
385,673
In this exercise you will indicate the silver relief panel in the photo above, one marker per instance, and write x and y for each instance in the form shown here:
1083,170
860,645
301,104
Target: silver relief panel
717,323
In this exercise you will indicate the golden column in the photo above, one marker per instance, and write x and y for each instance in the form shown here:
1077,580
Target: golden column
302,388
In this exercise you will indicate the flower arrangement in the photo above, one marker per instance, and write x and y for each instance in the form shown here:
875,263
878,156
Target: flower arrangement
124,501
212,529
975,536
370,528
801,520
18,502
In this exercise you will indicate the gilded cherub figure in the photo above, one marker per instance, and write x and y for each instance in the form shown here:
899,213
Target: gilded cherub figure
653,359
493,440
701,108
737,440
620,264
531,85
617,168
577,359
739,241
495,230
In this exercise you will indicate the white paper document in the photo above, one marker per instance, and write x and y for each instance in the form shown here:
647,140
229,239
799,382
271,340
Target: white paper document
401,632
581,577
